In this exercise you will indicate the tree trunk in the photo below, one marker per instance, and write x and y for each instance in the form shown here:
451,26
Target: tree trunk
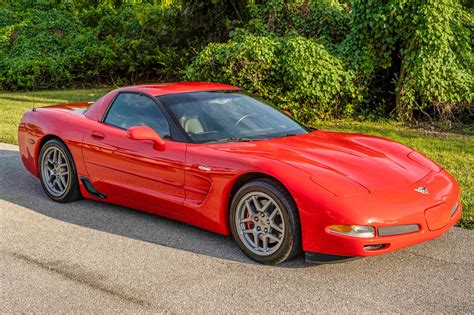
398,89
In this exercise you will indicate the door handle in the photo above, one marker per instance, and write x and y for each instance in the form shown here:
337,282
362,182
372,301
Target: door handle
97,135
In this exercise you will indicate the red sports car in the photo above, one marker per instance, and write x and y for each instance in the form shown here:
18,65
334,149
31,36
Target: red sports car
218,158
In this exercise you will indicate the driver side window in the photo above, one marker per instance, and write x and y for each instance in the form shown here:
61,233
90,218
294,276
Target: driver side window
133,109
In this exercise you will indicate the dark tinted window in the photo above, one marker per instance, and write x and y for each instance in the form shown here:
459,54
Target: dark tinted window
130,109
221,116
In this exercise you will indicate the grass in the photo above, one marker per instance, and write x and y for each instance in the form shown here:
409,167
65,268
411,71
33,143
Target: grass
453,150
13,105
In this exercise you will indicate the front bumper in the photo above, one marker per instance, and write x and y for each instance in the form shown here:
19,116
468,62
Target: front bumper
399,208
350,246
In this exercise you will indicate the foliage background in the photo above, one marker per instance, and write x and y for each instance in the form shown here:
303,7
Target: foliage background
409,60
404,59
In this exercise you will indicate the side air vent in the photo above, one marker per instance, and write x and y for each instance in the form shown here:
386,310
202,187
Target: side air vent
91,189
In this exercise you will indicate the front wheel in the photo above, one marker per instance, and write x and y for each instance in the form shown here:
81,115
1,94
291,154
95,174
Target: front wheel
265,222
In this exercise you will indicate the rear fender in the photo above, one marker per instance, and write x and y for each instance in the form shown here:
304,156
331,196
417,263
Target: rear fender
39,125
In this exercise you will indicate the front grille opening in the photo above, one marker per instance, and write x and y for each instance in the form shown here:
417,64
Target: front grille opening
374,247
455,209
398,229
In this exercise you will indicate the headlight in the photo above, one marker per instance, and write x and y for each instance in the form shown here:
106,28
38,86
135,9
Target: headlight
362,231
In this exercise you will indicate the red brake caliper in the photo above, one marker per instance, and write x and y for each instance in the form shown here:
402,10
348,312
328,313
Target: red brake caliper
248,225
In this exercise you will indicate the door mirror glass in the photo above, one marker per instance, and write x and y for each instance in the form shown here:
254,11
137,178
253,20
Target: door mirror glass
144,133
287,112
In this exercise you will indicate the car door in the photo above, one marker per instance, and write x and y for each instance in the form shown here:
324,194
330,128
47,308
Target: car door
135,169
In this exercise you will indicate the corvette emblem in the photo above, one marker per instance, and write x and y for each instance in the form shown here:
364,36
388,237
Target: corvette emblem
422,190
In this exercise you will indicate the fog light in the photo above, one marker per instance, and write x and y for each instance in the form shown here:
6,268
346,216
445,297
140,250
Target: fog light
362,231
374,247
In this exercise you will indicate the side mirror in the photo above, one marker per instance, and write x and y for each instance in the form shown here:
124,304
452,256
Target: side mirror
145,133
287,112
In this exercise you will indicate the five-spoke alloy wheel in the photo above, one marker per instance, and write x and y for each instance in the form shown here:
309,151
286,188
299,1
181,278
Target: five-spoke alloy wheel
57,172
260,223
265,222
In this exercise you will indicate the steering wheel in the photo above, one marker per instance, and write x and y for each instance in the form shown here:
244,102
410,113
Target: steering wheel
241,119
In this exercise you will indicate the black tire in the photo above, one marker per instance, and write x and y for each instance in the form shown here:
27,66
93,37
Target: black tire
72,191
291,244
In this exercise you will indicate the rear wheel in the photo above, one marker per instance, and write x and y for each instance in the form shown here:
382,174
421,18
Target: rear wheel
58,173
265,223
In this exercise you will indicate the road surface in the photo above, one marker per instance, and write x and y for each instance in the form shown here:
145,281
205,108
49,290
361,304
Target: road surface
95,257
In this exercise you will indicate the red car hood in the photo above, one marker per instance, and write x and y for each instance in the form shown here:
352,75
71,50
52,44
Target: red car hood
370,161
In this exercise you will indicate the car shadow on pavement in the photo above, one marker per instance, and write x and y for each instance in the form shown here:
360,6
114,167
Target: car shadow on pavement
20,187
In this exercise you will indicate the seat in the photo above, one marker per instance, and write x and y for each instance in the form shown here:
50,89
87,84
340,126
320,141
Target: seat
191,124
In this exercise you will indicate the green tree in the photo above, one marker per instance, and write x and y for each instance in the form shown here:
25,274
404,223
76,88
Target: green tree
421,48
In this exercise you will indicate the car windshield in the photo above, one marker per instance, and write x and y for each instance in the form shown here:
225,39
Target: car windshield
228,116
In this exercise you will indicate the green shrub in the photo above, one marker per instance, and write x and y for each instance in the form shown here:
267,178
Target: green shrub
318,18
33,49
365,58
51,48
136,43
418,52
247,62
413,59
294,72
316,82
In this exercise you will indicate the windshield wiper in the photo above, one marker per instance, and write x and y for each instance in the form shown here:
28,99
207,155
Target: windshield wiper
288,135
235,139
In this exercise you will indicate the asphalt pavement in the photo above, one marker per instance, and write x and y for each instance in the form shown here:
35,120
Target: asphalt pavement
94,257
